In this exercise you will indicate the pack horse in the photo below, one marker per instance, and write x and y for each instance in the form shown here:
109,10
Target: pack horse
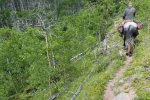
130,33
129,28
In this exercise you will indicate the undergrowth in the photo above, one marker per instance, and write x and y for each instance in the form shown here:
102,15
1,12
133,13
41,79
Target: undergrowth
108,64
101,67
93,88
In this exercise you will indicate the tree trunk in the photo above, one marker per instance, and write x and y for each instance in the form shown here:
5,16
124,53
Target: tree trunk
47,45
55,5
50,92
99,35
148,26
21,4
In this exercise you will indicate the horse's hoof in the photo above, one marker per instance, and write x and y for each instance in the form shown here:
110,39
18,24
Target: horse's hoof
130,54
124,48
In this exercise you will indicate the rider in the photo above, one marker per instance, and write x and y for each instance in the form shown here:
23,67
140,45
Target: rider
128,15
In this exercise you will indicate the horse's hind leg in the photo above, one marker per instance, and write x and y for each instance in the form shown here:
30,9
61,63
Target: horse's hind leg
124,45
124,42
130,54
132,45
129,50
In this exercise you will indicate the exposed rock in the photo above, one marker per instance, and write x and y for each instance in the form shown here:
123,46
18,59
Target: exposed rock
147,89
123,96
114,46
121,81
111,86
108,47
113,37
132,94
148,69
121,53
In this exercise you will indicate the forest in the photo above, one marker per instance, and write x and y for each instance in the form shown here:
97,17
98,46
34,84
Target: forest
49,47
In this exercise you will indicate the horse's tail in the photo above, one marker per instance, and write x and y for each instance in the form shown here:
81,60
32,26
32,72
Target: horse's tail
130,44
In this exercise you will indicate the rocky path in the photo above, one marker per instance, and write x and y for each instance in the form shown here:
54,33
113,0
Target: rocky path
126,85
114,92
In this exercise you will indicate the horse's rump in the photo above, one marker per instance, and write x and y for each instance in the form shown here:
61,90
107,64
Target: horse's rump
133,24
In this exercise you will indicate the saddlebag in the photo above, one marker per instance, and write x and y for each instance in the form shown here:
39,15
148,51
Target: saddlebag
120,29
140,25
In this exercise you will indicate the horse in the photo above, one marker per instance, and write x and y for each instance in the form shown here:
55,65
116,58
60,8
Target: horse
130,33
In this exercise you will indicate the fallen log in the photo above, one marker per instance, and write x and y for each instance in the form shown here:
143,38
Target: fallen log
78,91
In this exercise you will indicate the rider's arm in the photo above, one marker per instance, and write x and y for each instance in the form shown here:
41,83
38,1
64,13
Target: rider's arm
134,12
124,14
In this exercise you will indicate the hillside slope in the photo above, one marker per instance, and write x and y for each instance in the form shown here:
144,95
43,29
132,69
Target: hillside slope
139,68
116,86
134,81
105,64
135,78
70,49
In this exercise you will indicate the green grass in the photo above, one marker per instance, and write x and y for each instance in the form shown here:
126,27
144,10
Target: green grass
117,84
126,87
116,92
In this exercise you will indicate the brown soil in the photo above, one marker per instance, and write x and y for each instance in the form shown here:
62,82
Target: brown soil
126,82
109,93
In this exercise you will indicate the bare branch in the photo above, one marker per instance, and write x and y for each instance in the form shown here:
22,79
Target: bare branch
78,91
70,92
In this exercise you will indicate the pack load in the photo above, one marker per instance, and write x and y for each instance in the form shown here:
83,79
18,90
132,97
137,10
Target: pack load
140,25
120,29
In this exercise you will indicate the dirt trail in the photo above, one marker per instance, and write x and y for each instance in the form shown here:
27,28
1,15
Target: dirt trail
109,93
